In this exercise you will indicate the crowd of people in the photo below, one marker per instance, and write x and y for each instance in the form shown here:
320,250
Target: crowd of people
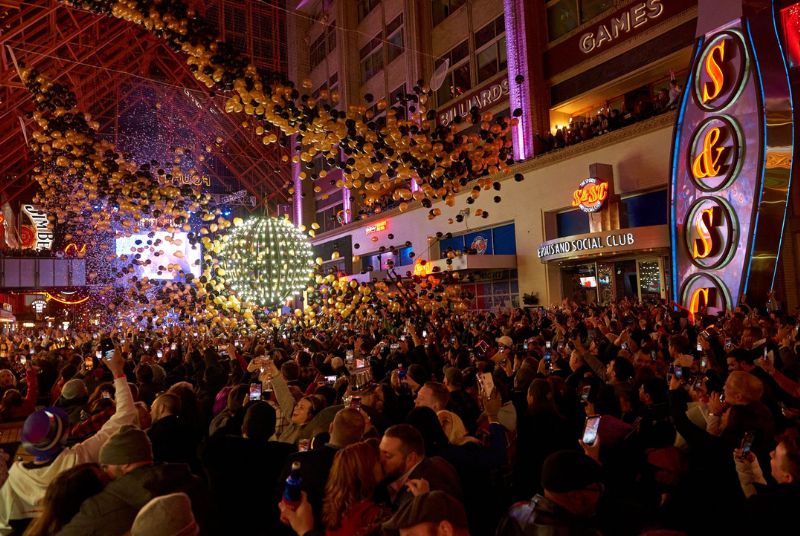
608,119
576,419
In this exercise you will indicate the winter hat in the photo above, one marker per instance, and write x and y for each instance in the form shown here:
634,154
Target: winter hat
569,470
74,389
45,432
168,515
128,445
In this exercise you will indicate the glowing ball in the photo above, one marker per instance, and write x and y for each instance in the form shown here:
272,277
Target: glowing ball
266,260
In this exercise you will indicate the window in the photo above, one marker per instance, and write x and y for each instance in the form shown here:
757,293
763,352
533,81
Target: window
330,218
322,46
371,65
365,7
459,78
494,29
490,45
564,16
394,33
592,8
441,9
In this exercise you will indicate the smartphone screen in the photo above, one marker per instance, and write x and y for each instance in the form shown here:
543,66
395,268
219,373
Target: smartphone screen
98,354
23,360
699,347
585,392
355,402
361,363
173,346
424,333
653,355
547,345
255,391
679,372
525,346
159,353
488,383
590,430
747,443
330,379
107,347
88,362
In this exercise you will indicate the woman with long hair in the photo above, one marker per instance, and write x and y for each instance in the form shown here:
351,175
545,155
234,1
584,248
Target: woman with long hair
64,497
348,508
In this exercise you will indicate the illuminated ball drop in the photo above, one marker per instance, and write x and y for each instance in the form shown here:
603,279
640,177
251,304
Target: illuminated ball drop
266,260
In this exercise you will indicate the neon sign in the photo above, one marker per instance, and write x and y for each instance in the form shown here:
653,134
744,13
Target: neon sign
727,219
590,195
376,227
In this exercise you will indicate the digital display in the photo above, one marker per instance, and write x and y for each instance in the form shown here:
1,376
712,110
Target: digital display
173,251
588,282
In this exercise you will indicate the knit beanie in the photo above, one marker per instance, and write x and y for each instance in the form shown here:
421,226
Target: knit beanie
128,445
168,515
73,389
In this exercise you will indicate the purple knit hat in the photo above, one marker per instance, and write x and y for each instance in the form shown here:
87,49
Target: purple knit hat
45,432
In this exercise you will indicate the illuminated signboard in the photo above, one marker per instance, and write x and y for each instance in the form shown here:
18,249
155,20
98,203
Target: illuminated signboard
376,227
731,166
38,306
43,236
590,195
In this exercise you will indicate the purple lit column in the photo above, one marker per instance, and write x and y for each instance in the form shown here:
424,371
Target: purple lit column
297,198
519,94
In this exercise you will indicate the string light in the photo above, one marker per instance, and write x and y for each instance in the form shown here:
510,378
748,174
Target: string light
266,260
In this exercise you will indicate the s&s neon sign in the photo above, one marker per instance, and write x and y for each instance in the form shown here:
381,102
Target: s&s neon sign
726,223
590,195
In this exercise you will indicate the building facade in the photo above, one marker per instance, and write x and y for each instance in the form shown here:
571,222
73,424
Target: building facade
598,83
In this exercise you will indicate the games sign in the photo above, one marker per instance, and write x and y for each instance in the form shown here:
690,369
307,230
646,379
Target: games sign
731,166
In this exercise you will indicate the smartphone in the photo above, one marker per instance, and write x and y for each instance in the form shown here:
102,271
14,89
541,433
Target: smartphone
98,354
585,392
31,351
452,340
173,346
487,381
670,373
355,402
106,394
728,343
255,391
330,380
547,345
653,355
548,361
679,372
402,337
107,347
361,363
23,360
624,345
590,429
88,362
699,347
159,353
236,344
424,333
704,362
525,346
348,357
747,443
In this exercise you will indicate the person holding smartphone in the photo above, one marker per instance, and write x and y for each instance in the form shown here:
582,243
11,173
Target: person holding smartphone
46,444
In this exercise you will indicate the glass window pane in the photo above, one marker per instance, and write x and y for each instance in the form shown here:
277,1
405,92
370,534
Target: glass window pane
484,35
592,8
501,46
487,63
460,52
462,80
561,18
395,47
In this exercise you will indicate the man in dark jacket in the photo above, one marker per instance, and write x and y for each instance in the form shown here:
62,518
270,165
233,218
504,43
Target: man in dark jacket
404,462
128,459
171,437
241,468
572,490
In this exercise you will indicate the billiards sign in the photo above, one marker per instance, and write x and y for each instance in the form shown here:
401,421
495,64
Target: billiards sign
731,167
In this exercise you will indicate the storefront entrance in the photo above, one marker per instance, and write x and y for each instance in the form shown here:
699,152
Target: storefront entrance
608,281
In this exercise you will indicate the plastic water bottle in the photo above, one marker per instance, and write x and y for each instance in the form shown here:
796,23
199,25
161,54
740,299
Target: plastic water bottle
292,495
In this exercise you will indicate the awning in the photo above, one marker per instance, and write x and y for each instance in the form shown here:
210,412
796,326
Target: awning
6,316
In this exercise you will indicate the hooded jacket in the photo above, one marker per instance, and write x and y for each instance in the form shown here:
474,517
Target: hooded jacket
113,510
26,485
